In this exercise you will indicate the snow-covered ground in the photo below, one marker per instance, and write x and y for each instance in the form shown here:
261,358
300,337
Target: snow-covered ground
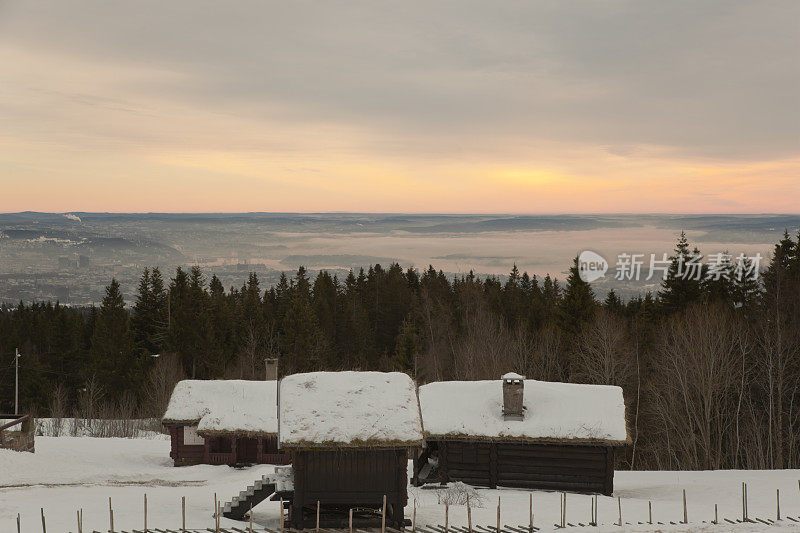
68,473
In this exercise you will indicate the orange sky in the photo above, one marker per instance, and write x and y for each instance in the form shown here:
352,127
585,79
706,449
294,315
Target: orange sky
121,111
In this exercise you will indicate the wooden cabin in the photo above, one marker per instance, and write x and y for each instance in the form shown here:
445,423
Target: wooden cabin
517,432
349,434
224,422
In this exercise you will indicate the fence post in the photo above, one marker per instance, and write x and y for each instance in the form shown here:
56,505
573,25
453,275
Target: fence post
19,530
145,512
446,516
596,508
716,518
282,515
778,501
619,504
469,515
216,514
596,505
685,518
183,513
351,520
414,517
110,516
317,516
498,514
530,525
44,526
383,515
744,513
650,511
746,510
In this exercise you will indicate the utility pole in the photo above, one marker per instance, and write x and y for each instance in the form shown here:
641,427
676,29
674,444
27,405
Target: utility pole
16,381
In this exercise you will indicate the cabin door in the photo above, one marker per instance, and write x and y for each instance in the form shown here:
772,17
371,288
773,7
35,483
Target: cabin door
247,450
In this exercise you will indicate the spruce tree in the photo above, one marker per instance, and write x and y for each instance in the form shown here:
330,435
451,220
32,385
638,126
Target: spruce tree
409,346
613,302
514,299
551,296
148,321
746,289
354,336
303,346
141,320
113,356
578,303
324,303
681,286
718,282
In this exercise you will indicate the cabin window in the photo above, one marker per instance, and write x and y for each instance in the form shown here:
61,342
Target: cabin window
190,436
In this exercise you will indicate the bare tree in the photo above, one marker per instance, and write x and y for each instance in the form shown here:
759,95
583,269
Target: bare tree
88,408
695,386
602,352
437,358
161,380
259,343
59,404
776,367
541,354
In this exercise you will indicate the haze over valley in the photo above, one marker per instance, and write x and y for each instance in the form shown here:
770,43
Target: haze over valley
72,257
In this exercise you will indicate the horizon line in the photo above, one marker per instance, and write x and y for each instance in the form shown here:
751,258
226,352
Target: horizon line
418,213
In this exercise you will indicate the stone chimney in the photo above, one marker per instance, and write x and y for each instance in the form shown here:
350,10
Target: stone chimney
513,389
272,369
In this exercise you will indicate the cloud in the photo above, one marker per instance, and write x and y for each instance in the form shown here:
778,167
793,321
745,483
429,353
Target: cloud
418,91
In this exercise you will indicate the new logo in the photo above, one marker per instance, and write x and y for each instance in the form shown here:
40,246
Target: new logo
591,266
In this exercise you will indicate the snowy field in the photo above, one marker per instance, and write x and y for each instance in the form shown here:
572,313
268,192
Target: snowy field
68,473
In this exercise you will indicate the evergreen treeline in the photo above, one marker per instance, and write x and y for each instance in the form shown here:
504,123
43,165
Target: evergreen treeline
710,367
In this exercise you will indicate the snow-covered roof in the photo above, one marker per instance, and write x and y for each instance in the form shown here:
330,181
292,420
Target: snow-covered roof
553,412
225,406
349,410
512,375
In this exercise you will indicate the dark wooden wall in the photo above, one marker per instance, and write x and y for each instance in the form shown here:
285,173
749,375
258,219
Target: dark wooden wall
219,450
183,454
349,478
528,465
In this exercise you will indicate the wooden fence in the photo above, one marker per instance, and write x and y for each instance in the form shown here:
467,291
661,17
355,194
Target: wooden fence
21,440
506,528
497,527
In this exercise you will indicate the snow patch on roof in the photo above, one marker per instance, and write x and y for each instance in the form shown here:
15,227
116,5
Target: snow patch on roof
553,412
225,406
349,409
512,375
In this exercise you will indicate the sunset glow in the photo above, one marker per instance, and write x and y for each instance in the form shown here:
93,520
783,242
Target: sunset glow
251,117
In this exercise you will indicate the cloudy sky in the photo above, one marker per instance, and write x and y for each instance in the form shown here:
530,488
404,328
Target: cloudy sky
523,107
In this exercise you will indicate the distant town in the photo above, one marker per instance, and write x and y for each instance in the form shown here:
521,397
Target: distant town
71,257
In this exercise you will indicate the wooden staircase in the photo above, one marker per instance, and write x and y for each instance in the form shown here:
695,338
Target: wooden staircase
270,487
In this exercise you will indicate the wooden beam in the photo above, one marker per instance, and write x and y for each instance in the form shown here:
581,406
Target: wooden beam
493,466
